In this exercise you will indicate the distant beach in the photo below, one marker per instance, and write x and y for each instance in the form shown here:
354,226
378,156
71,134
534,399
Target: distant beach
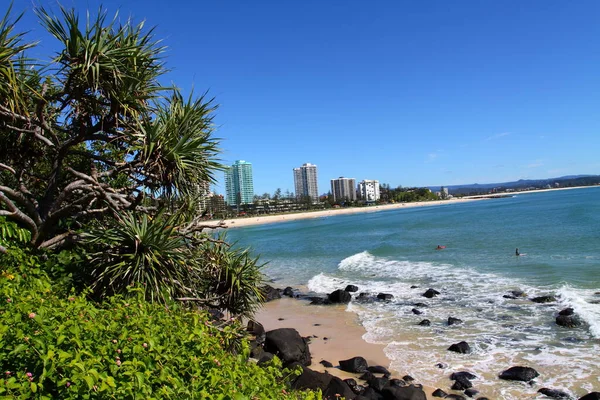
269,219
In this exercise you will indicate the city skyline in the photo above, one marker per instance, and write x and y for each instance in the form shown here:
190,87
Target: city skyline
409,93
239,182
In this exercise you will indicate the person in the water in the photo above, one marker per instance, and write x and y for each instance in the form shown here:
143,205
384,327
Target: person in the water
517,252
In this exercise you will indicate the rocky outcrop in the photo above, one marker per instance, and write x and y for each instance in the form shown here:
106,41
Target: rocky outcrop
454,321
378,369
337,388
460,347
351,288
553,393
591,396
311,380
270,293
385,296
439,393
568,321
425,322
524,374
288,291
544,299
355,364
288,345
430,293
339,296
410,392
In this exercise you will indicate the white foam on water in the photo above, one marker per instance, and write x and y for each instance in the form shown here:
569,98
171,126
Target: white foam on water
501,332
589,312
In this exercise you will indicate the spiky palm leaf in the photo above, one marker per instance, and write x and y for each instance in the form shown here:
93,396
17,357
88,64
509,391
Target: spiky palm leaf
141,250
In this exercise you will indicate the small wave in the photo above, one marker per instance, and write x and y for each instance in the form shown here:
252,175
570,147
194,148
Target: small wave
589,312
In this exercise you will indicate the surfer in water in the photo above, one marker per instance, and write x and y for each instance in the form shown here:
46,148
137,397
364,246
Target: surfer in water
517,252
440,247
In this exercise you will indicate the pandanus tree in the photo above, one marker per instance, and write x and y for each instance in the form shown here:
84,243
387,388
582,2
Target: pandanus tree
94,149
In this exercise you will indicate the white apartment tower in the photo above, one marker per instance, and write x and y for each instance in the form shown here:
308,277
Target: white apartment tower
305,181
368,190
343,189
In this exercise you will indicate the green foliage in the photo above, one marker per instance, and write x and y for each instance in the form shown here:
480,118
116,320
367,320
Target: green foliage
55,346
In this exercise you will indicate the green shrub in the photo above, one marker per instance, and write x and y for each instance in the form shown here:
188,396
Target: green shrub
57,346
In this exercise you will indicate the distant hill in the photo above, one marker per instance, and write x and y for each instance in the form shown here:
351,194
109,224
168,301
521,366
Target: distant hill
563,181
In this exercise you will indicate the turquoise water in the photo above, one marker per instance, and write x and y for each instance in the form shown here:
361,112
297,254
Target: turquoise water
558,234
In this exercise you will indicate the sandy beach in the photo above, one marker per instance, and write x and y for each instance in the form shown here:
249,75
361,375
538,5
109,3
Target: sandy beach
336,334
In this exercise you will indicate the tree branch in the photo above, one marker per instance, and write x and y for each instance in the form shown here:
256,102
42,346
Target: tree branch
14,213
6,167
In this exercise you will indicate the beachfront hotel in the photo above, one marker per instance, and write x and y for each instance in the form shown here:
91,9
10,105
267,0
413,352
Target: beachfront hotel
343,189
368,190
305,182
239,183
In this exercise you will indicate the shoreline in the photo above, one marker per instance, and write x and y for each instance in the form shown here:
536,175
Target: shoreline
336,334
279,218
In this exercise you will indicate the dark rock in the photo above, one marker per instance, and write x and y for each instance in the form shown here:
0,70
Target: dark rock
372,394
257,330
411,392
568,321
288,345
353,385
591,396
464,374
318,301
378,369
355,364
414,287
555,394
567,311
256,350
337,388
288,291
430,293
482,398
351,288
461,383
425,322
441,365
215,314
524,374
312,380
340,296
378,383
461,347
471,392
280,319
326,364
508,296
316,324
416,312
439,393
270,293
544,299
385,296
422,305
408,378
366,376
265,357
454,321
398,382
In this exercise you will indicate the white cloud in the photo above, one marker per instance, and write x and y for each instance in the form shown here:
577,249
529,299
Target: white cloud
432,156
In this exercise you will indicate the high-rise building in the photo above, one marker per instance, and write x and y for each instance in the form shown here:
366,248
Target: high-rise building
305,181
343,189
239,183
368,190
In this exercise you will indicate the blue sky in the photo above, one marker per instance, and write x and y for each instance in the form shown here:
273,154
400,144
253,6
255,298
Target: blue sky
412,93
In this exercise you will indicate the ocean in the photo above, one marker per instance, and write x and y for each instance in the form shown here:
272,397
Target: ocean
558,236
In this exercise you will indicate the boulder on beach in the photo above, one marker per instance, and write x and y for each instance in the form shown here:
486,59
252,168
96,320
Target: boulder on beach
355,364
270,293
568,321
312,380
544,299
460,347
318,300
326,364
351,288
464,374
425,322
378,369
416,311
288,291
337,388
340,296
567,311
410,392
524,374
553,393
454,321
385,296
471,392
591,396
288,345
461,383
257,330
430,293
378,383
439,393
